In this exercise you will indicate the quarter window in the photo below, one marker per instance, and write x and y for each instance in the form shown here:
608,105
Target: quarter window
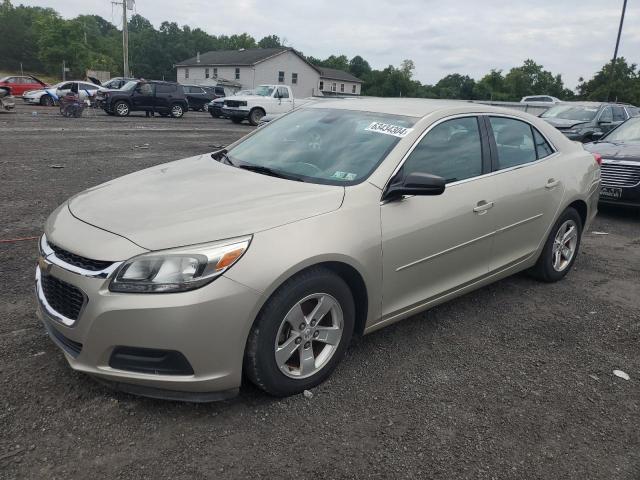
514,140
280,77
451,150
543,149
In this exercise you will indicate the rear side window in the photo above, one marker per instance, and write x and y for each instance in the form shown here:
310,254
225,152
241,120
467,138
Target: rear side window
543,149
514,140
165,88
452,150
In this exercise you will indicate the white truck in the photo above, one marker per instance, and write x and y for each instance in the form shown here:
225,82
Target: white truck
265,100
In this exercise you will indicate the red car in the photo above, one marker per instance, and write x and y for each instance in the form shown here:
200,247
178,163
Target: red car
19,84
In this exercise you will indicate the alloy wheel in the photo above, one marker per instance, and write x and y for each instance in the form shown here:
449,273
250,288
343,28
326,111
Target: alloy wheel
564,245
309,335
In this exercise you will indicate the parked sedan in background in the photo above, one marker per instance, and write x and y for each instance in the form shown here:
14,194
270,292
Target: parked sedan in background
337,219
199,97
587,121
49,96
545,99
620,151
116,82
18,84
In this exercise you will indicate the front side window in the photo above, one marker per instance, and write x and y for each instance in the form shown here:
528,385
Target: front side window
514,140
319,145
237,74
451,150
283,92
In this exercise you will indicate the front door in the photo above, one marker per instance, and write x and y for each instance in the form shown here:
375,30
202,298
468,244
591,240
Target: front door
435,244
528,189
143,96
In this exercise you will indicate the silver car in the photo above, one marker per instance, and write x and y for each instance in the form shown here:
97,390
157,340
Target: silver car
264,259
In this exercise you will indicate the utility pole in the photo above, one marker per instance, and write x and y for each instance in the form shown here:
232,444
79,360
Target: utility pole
615,53
126,4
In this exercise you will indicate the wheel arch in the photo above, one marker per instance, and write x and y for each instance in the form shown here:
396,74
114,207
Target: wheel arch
581,207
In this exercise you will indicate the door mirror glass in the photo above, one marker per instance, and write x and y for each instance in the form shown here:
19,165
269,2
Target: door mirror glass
416,183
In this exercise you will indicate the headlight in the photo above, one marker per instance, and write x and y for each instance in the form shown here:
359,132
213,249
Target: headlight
178,270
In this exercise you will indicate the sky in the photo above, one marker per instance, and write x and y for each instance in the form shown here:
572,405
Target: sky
571,37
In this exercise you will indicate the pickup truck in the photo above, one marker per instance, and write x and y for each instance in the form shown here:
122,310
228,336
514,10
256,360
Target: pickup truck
266,99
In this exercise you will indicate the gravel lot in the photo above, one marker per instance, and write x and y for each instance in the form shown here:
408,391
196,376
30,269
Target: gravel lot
512,381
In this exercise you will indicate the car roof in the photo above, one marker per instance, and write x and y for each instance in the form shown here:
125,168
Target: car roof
408,107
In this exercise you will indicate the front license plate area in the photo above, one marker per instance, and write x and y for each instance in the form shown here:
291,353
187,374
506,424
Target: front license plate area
611,193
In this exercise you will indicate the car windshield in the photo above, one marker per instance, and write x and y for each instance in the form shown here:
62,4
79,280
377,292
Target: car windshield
130,85
571,112
263,91
329,146
629,131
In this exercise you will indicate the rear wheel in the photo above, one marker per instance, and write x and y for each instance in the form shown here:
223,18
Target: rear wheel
301,333
176,110
121,108
561,248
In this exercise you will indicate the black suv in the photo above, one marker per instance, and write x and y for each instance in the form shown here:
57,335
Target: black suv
588,121
166,98
199,97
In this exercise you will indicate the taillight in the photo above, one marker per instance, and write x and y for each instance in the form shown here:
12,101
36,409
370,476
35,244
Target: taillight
598,158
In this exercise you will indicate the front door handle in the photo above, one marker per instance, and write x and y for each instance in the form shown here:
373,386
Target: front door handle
482,207
552,183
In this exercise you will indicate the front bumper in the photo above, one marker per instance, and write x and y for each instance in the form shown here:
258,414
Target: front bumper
7,103
31,100
629,196
235,113
208,326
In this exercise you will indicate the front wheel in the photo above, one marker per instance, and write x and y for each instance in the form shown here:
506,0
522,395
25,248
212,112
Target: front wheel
301,333
176,110
46,101
255,116
561,248
121,109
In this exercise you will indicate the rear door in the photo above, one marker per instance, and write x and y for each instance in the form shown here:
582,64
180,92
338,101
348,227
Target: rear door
528,182
432,245
165,95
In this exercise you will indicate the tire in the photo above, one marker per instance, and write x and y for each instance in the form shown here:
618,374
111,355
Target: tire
236,120
177,110
274,326
255,115
46,101
553,264
121,108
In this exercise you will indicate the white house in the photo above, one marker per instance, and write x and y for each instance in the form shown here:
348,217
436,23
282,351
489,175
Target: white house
256,66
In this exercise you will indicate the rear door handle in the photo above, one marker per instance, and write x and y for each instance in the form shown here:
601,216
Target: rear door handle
482,207
552,183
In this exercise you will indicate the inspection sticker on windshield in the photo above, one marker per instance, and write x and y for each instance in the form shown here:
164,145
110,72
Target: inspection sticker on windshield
389,129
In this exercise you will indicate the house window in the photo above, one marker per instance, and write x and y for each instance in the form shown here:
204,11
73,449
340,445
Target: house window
280,77
215,72
206,73
333,87
294,78
237,74
342,87
321,85
353,89
186,73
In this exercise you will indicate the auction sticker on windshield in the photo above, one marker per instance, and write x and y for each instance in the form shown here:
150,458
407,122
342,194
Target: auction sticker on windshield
389,129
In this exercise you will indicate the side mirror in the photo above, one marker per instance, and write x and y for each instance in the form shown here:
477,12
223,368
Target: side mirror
416,184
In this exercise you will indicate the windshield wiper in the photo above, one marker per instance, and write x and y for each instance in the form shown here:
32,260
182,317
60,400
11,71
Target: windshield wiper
222,157
270,171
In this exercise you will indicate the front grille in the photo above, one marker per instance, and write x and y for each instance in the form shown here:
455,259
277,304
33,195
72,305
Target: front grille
78,261
232,103
619,175
72,347
62,297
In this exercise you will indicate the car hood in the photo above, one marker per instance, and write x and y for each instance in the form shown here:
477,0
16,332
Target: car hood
198,200
616,151
247,97
562,123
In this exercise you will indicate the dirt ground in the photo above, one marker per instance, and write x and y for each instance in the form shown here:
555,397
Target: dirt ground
513,381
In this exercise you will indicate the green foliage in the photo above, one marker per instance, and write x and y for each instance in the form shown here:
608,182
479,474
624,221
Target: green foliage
39,39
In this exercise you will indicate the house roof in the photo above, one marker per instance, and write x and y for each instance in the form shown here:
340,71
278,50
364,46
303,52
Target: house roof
247,56
334,74
252,56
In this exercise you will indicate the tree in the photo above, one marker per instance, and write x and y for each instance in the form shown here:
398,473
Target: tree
455,86
359,67
626,85
272,41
